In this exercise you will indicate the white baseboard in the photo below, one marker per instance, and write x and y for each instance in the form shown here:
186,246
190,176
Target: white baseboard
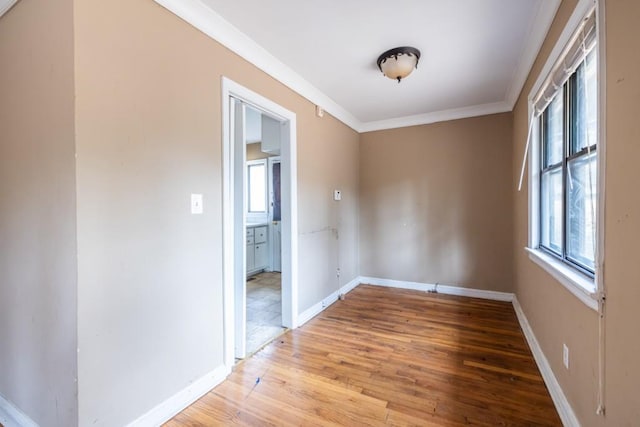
11,416
317,308
560,401
310,313
563,407
179,401
349,286
443,289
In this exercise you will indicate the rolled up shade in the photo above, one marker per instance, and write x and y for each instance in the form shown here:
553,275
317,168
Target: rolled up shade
577,49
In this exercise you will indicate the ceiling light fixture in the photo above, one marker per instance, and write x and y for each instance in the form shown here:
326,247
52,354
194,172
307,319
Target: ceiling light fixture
399,62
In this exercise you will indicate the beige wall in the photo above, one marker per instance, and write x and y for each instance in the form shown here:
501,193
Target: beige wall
433,198
148,135
37,212
622,228
255,153
555,315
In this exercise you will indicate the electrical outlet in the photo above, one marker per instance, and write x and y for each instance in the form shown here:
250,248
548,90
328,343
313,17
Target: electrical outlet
565,356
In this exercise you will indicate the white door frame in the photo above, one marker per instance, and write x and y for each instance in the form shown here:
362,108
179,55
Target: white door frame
289,203
238,155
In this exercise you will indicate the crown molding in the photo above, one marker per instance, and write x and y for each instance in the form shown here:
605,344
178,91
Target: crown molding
12,416
536,34
5,5
205,19
437,116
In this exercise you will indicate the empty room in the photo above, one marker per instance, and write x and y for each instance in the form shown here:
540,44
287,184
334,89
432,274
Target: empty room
319,213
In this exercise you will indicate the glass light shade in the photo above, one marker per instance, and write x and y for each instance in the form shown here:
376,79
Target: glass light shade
399,62
398,69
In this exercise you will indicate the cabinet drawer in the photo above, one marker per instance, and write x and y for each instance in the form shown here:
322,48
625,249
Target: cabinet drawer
260,235
249,232
250,240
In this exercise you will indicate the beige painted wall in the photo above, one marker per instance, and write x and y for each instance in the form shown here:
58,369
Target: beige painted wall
622,229
555,315
255,153
433,198
148,135
37,212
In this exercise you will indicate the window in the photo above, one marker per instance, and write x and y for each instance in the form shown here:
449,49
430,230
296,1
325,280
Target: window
257,186
563,169
568,176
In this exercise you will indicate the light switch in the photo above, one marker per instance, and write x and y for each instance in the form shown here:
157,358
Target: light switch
196,204
337,195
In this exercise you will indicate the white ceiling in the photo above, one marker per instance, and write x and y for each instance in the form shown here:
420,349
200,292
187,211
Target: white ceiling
476,54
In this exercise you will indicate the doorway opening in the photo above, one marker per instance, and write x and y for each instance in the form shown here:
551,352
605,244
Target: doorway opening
260,220
263,229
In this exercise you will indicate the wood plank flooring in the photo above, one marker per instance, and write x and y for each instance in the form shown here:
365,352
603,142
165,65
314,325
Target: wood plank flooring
387,357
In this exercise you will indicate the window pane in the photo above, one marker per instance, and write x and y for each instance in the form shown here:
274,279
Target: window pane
551,210
553,131
581,210
257,188
585,124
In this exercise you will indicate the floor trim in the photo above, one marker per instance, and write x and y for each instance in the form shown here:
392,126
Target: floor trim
11,416
317,308
565,411
181,400
178,402
443,289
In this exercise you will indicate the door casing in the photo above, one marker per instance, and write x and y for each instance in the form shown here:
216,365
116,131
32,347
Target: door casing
232,277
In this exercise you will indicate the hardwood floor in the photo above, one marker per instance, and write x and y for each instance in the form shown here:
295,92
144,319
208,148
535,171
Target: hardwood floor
387,357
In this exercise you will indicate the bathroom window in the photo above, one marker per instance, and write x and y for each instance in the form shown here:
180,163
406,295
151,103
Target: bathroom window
257,186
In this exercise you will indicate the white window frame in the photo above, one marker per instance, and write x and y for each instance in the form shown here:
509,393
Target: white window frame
586,289
262,216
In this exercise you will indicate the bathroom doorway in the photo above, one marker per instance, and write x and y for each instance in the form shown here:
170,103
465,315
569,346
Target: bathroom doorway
260,221
263,230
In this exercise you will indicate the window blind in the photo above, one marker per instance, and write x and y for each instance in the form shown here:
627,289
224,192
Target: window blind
577,49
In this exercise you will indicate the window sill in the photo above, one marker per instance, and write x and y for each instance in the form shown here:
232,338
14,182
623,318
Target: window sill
579,285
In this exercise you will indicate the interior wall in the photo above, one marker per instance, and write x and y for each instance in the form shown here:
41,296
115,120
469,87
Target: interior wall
254,152
622,222
433,198
555,315
37,212
328,230
148,115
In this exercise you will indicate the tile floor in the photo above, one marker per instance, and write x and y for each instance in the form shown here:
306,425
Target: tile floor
264,310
